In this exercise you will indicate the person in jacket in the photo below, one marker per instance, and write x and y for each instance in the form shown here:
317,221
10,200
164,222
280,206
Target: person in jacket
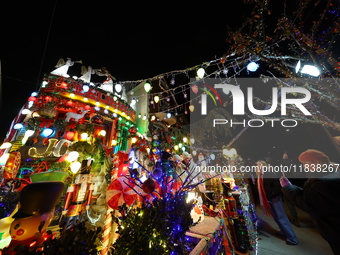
319,196
272,205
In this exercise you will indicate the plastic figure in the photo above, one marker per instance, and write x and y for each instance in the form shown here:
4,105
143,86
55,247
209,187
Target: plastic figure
79,195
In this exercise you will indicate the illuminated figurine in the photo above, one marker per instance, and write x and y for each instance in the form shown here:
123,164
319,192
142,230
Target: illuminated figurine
79,194
35,213
86,74
62,67
107,85
180,168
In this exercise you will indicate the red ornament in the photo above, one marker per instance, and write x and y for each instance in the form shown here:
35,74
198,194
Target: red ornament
63,85
32,99
69,135
132,130
148,186
169,139
97,119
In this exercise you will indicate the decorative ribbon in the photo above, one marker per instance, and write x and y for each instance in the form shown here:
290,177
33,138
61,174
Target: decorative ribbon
46,122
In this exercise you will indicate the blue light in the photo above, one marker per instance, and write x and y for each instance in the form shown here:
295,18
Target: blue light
47,132
86,88
252,66
18,126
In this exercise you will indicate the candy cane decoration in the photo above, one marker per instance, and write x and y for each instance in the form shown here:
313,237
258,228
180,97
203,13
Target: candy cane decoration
107,231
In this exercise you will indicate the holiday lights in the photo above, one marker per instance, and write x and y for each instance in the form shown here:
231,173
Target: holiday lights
147,87
6,145
252,66
156,99
75,166
118,88
18,126
72,156
311,70
200,73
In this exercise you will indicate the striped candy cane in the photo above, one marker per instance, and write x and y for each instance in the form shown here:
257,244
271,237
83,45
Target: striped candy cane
107,231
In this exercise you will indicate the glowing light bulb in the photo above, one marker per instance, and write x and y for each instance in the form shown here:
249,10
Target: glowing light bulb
18,126
69,135
191,108
185,140
252,66
200,73
156,99
47,132
191,196
75,166
84,136
86,88
72,156
118,88
25,111
28,133
102,133
168,115
147,87
6,145
311,70
4,158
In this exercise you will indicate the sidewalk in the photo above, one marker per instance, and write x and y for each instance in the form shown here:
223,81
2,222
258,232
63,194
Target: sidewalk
310,241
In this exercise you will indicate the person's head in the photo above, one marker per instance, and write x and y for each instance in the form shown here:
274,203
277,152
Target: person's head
313,157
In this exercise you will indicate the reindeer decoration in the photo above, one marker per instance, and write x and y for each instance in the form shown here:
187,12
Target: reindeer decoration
75,116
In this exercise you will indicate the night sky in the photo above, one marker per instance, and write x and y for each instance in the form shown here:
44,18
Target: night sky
132,40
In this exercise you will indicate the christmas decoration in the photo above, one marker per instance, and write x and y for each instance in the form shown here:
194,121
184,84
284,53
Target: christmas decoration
135,189
121,191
